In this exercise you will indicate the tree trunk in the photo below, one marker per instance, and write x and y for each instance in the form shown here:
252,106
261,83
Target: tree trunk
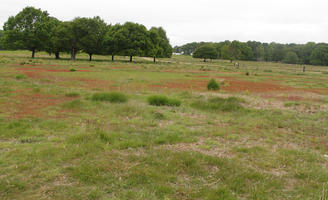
33,53
90,56
113,57
57,55
130,58
73,54
154,59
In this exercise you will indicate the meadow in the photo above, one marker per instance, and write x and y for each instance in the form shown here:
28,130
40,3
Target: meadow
144,130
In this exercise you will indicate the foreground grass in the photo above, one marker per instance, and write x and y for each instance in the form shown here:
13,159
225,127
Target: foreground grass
215,145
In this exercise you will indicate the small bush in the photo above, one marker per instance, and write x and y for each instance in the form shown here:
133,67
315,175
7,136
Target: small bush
113,97
247,73
159,100
221,104
213,85
72,94
20,76
72,70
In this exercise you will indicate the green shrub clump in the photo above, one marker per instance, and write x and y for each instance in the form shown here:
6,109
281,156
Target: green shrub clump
113,97
72,70
72,94
220,104
159,100
20,76
213,85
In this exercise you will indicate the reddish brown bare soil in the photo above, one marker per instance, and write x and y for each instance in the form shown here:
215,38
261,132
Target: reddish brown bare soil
33,105
183,85
38,69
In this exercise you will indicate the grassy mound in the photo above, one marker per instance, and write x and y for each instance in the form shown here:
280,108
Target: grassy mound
221,104
113,97
159,100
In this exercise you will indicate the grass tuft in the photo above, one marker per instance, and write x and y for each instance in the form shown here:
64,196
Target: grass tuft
20,76
219,104
113,97
72,94
160,100
213,85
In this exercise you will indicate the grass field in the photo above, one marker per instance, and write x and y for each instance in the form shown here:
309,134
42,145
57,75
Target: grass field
86,130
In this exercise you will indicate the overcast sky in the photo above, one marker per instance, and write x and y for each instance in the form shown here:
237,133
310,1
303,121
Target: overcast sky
284,21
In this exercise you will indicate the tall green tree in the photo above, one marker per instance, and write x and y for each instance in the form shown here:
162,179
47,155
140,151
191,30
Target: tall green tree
133,40
291,58
1,40
93,41
76,30
30,29
206,51
159,46
112,40
319,55
59,41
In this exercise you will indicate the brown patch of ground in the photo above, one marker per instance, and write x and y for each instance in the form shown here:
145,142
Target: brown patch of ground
32,105
38,69
182,85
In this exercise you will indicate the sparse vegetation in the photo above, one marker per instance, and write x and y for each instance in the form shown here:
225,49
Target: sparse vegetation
261,137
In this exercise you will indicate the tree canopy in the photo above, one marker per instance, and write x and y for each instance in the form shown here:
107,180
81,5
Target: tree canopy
35,30
309,53
30,29
206,51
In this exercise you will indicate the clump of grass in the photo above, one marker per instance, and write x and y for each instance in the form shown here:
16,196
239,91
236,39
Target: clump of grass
72,70
20,76
22,63
72,94
213,85
247,73
75,104
219,104
113,97
291,104
160,100
324,72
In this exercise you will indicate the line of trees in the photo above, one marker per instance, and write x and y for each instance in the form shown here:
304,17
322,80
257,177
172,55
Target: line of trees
34,30
309,53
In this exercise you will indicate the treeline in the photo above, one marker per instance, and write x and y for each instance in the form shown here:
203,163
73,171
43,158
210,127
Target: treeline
309,53
34,30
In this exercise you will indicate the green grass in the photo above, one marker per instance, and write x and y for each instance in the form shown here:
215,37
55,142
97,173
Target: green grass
59,139
160,100
219,104
113,97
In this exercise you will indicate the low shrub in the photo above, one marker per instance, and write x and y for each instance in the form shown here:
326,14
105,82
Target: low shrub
213,85
113,97
159,100
72,70
221,104
72,94
20,76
